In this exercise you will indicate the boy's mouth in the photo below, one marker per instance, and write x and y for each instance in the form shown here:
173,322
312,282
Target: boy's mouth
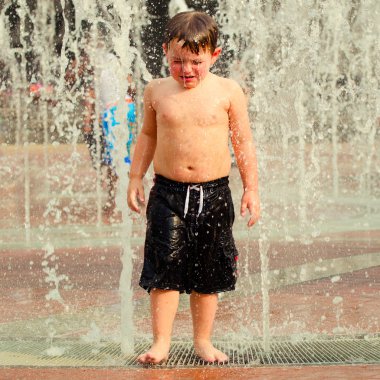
187,77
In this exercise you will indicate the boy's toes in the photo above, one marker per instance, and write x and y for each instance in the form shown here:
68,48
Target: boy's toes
207,352
144,358
150,358
208,358
220,357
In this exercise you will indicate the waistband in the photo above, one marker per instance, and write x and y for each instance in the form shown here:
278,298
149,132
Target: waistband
190,186
183,186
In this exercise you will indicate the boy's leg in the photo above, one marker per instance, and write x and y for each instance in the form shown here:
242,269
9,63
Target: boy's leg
203,310
164,304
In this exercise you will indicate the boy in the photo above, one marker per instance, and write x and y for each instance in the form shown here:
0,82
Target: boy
189,245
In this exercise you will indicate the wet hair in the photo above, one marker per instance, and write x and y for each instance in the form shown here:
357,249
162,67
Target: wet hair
197,30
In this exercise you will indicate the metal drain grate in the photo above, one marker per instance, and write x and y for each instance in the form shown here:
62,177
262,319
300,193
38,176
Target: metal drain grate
66,353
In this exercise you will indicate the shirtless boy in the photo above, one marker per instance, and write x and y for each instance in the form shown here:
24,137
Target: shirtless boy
189,247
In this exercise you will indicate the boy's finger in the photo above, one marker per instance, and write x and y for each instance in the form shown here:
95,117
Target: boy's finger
141,194
243,207
134,207
133,204
253,219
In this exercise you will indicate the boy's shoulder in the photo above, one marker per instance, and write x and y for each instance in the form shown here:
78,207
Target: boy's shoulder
158,82
157,85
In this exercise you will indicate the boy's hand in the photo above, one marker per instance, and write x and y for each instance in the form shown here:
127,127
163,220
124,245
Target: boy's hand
250,200
135,195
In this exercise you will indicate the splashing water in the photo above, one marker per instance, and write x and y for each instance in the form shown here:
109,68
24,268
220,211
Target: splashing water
55,96
312,73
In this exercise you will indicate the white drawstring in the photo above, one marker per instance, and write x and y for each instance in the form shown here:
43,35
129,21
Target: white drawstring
198,188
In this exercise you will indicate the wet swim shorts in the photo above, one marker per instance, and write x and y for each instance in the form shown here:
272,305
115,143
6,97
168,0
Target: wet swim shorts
189,243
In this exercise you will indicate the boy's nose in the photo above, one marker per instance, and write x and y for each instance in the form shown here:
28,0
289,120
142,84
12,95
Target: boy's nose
186,67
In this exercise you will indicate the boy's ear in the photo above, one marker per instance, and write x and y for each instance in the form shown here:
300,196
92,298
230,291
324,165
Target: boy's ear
216,54
165,47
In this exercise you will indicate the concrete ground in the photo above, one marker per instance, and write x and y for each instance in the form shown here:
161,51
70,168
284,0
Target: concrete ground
347,372
60,276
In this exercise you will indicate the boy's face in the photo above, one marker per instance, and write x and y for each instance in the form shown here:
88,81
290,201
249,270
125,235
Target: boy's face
188,68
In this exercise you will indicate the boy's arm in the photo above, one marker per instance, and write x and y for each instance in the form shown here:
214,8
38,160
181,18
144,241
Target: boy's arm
245,153
143,153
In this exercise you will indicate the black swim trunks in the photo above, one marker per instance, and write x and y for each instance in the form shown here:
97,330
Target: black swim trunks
189,243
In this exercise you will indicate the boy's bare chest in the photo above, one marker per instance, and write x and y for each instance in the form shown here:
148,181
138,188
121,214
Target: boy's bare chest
202,110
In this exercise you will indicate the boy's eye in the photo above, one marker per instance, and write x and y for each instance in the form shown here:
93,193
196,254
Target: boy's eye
197,62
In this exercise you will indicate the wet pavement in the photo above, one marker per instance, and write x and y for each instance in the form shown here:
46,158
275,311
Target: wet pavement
326,286
273,373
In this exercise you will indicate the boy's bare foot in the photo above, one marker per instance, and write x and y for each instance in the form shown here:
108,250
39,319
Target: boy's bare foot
157,354
206,351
